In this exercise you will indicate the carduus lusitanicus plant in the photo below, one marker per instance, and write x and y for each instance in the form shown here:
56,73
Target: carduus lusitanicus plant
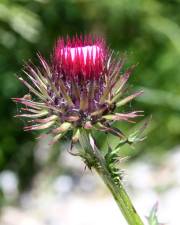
79,90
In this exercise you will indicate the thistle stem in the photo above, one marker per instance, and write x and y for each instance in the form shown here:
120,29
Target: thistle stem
97,161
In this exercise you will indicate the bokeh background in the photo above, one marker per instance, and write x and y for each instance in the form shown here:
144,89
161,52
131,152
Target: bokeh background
149,33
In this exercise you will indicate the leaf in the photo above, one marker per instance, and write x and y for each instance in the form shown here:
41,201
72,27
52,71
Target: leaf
113,162
138,136
152,218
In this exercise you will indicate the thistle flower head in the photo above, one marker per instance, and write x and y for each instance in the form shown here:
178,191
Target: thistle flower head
79,59
80,88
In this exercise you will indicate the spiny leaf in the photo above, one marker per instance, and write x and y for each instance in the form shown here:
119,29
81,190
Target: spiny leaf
137,136
113,164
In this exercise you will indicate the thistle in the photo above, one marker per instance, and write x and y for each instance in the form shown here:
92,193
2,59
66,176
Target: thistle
82,89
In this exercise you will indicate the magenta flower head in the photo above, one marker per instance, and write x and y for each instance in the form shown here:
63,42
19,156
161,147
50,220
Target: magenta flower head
81,87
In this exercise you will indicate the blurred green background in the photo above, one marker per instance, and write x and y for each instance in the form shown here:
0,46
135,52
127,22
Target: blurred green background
148,31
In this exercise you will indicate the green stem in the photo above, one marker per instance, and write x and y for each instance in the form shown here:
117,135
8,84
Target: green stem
121,197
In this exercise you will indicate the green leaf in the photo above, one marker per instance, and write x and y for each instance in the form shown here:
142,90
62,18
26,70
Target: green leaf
152,218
